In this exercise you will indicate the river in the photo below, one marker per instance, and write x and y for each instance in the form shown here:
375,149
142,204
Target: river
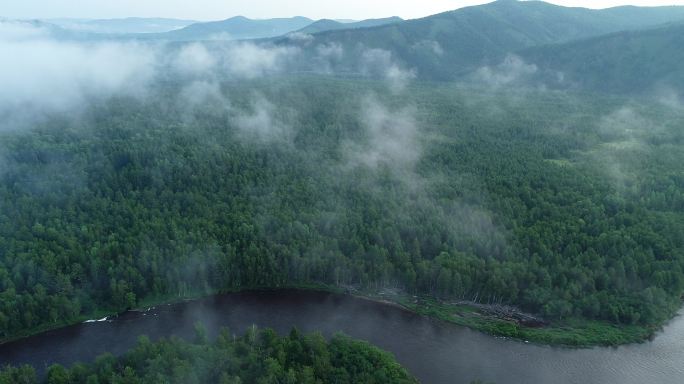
433,351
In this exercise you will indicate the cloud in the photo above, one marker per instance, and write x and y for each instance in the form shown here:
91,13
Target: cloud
333,51
392,139
195,59
41,74
621,126
261,123
398,77
300,37
380,63
238,60
20,31
429,46
325,58
201,92
624,134
247,60
474,225
46,75
391,146
669,97
513,70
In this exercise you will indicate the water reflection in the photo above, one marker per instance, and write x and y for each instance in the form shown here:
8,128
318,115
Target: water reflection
433,351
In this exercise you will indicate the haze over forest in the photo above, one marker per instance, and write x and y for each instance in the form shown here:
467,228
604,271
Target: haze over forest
515,156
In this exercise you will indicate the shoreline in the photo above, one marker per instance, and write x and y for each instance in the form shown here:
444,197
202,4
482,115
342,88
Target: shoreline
573,333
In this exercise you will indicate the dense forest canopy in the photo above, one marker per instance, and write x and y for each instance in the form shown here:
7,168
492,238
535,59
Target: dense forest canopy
514,160
566,205
634,50
260,356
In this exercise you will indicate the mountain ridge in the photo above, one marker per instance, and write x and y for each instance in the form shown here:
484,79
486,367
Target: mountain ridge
329,25
633,61
237,28
451,44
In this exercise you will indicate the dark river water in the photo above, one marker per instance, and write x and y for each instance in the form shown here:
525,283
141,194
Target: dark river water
433,351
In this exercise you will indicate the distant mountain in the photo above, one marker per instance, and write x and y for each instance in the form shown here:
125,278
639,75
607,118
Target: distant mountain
122,26
623,49
623,62
332,25
236,28
45,29
323,25
452,44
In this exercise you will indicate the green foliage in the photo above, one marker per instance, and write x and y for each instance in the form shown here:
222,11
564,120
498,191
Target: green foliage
513,200
619,62
22,375
452,44
257,357
572,332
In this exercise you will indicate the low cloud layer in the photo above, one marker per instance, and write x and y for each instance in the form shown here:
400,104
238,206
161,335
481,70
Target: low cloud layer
248,60
381,63
669,97
513,70
195,59
429,47
392,138
625,136
40,72
261,123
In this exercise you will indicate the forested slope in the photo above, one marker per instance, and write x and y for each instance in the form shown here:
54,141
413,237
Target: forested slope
332,25
235,28
449,45
565,205
260,356
625,62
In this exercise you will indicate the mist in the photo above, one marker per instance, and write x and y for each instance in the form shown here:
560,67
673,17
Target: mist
260,123
381,63
195,59
305,159
46,75
392,138
513,70
249,61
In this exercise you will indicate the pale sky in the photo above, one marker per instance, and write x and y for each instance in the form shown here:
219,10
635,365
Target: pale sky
222,9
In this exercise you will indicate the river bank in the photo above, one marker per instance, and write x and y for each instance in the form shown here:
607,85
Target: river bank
577,333
434,351
573,333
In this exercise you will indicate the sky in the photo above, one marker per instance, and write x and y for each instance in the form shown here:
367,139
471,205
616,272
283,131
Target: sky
222,9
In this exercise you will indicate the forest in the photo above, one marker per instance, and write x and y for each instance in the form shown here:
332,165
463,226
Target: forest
567,205
259,356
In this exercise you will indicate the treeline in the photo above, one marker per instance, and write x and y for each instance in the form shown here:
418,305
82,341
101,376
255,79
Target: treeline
259,356
521,199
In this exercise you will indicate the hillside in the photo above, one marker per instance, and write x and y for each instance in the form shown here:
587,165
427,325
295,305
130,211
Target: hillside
538,200
126,25
454,43
236,28
259,356
332,25
624,62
